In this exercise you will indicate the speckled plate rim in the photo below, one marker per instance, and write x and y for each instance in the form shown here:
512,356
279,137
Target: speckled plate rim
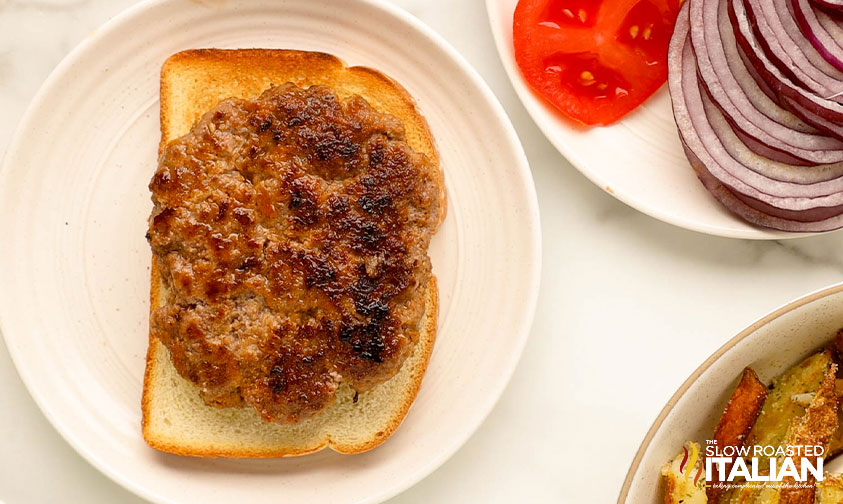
522,171
674,399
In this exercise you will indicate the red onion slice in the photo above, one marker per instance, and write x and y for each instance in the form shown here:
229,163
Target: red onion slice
801,46
787,202
806,177
750,81
768,128
807,16
832,23
811,105
830,4
780,37
750,68
750,214
750,175
765,151
836,129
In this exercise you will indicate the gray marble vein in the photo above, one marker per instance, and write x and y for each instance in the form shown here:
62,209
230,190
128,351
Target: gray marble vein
825,251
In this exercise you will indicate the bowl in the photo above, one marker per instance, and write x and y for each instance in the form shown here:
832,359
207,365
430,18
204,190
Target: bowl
769,346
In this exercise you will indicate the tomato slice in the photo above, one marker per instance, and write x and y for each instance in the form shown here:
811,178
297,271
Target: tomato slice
594,60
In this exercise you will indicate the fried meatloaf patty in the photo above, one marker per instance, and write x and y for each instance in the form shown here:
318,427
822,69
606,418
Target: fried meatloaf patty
291,233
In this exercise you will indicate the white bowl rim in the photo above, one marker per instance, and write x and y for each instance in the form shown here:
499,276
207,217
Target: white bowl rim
671,403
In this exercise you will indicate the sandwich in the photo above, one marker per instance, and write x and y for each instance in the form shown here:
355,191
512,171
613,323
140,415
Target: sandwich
292,301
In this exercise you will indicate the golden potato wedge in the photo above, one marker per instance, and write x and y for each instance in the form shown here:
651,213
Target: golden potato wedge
779,410
830,489
737,420
684,477
814,428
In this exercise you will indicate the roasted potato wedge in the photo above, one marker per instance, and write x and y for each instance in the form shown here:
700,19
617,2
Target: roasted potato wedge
814,428
830,489
835,446
683,483
779,410
737,420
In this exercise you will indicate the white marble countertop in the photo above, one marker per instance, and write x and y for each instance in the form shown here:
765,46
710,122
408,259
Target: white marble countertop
628,308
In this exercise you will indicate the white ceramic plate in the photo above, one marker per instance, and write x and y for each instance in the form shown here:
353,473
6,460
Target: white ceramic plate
769,346
639,160
74,272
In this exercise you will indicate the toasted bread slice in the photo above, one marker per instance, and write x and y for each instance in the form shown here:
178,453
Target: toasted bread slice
175,419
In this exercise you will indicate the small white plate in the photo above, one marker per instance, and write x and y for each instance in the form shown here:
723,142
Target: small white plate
770,346
75,271
638,160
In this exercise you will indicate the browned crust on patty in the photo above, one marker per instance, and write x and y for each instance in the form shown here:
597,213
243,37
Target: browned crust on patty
299,67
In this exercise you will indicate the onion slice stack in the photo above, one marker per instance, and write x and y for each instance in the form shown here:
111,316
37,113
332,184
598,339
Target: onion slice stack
775,163
762,123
